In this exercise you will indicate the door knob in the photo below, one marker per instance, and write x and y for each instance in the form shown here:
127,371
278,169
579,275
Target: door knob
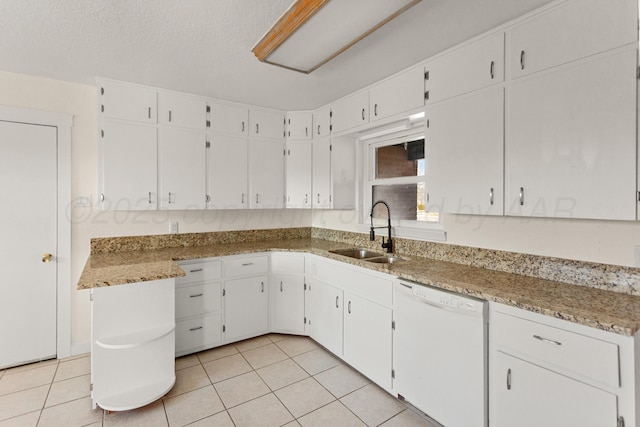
47,257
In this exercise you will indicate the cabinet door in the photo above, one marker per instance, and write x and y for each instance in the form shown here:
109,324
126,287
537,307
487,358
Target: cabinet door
322,123
182,167
227,172
350,112
246,307
129,166
571,144
464,148
267,124
367,338
299,174
125,102
323,306
401,93
469,68
526,395
266,174
229,119
287,303
321,185
573,30
299,125
343,174
182,111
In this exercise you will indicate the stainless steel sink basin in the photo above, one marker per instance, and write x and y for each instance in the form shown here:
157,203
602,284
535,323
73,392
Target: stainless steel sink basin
385,259
357,253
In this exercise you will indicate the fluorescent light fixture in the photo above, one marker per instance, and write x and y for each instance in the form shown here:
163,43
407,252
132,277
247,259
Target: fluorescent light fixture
312,32
386,130
415,117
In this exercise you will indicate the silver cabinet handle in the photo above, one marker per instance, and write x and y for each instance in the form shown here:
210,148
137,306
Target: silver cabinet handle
521,196
522,59
306,199
169,116
318,129
375,110
195,270
491,196
243,126
195,296
491,69
281,286
349,307
102,198
170,198
509,379
257,198
246,264
547,340
149,112
261,286
149,197
196,328
318,197
257,128
337,301
306,131
363,114
242,199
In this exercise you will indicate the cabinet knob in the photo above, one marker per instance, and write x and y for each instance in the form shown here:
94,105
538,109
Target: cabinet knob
47,258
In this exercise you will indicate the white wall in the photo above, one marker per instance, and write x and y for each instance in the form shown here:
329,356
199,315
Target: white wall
24,91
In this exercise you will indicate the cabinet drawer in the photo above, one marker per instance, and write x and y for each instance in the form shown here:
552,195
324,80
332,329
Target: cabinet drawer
246,266
198,299
287,263
566,350
198,333
200,272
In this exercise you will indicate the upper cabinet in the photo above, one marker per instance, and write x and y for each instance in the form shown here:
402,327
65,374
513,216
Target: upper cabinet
322,122
228,118
127,102
299,125
469,68
182,111
266,174
227,169
398,94
350,112
266,123
571,31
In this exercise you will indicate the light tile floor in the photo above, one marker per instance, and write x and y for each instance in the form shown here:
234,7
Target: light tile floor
273,380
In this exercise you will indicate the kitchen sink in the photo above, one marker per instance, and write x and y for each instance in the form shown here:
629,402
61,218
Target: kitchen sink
387,259
357,253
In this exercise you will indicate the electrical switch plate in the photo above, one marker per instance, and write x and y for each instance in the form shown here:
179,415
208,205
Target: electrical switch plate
636,256
83,202
173,227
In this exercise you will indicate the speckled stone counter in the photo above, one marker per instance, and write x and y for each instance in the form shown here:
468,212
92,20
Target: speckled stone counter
602,309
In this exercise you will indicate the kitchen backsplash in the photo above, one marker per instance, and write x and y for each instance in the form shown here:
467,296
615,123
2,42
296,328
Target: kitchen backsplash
602,276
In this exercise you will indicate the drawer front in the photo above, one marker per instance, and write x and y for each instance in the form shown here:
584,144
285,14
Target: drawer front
198,272
198,299
566,350
246,266
197,333
287,263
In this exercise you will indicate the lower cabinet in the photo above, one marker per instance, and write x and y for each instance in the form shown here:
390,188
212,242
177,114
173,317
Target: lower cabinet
132,344
246,306
286,293
323,304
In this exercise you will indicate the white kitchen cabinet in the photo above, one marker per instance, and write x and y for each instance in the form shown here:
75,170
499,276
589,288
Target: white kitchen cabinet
323,307
198,310
573,30
286,293
182,169
267,124
127,102
466,69
321,174
403,92
343,173
229,119
299,125
368,337
128,166
547,371
571,140
322,122
350,112
227,172
246,307
132,344
182,111
464,151
266,174
298,174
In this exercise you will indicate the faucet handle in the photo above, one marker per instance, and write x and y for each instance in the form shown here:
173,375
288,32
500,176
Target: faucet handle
372,235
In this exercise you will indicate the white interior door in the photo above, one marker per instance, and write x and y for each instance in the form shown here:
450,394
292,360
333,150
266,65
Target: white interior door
28,289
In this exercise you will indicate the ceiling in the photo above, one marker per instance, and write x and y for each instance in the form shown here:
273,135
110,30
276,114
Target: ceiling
204,46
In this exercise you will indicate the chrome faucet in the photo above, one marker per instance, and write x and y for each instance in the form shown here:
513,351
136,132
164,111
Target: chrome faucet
372,235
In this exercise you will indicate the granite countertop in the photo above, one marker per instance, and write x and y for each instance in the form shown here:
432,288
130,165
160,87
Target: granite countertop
601,309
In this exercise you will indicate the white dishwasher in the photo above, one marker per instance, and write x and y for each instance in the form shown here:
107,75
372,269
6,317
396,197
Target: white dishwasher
440,354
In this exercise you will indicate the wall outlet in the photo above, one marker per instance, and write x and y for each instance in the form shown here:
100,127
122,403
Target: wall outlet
83,202
173,227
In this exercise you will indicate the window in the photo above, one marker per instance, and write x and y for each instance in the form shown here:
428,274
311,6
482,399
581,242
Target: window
395,169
